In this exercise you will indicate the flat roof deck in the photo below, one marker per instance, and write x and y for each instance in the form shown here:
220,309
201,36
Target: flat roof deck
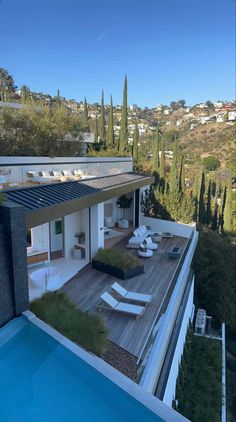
130,334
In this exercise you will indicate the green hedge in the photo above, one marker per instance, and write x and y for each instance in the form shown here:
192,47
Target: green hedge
198,388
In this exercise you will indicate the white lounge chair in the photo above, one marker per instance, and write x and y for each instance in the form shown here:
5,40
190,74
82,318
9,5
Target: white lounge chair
138,297
69,175
126,308
150,244
143,252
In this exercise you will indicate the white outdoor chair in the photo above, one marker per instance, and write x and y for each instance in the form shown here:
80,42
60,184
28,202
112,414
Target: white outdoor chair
150,244
126,308
137,297
143,252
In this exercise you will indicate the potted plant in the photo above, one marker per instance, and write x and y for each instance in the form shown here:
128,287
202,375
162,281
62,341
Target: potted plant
81,237
124,202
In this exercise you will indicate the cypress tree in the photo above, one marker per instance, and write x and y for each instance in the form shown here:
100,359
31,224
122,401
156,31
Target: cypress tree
155,155
110,132
85,122
214,218
102,121
58,98
208,210
123,142
173,175
96,130
162,163
195,196
135,143
228,214
201,207
182,175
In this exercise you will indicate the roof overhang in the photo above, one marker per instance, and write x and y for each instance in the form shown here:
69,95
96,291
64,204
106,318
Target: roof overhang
43,215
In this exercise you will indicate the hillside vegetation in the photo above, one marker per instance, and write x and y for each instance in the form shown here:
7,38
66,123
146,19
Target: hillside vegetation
216,139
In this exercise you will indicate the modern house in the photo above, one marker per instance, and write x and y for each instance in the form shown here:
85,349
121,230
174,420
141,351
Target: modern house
51,230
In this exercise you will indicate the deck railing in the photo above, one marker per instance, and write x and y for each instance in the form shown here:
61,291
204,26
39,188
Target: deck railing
151,337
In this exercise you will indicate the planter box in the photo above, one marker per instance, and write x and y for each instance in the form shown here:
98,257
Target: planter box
118,272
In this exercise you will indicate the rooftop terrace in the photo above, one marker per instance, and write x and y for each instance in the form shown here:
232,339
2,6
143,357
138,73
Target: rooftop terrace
158,280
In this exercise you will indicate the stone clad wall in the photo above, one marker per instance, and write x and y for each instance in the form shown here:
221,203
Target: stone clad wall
13,264
6,289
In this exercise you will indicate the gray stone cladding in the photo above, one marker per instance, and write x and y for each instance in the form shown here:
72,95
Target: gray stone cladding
13,262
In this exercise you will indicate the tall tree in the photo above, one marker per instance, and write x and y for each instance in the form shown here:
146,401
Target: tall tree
110,132
123,142
196,195
102,121
174,188
208,209
58,97
156,151
85,121
201,206
182,175
228,214
162,161
7,85
135,143
96,130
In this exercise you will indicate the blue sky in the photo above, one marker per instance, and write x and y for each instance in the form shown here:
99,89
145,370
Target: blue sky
169,49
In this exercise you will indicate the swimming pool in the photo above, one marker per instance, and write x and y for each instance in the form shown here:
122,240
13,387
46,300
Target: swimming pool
41,380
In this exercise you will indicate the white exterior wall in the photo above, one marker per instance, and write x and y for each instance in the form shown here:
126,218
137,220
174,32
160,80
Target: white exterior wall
97,224
157,355
179,229
40,239
174,370
76,223
71,226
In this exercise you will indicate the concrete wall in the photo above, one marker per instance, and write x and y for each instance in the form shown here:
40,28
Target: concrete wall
174,370
13,268
15,168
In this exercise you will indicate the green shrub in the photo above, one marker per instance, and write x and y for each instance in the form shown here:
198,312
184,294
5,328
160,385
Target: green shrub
116,259
210,163
57,310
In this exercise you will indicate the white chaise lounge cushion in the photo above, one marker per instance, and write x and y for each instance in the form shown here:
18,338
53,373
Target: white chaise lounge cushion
127,308
45,173
150,245
138,297
67,173
147,254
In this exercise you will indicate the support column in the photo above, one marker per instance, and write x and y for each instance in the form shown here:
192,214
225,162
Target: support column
97,231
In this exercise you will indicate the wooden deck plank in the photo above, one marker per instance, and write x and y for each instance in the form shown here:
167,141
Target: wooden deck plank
124,330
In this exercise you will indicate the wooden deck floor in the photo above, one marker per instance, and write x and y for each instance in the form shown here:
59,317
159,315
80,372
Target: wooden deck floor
130,334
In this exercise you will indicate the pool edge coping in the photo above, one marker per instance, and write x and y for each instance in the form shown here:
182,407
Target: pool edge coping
123,382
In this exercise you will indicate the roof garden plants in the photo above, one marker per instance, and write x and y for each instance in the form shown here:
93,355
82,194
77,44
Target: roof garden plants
88,331
114,262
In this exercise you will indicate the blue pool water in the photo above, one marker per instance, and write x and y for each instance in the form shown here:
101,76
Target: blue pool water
42,381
